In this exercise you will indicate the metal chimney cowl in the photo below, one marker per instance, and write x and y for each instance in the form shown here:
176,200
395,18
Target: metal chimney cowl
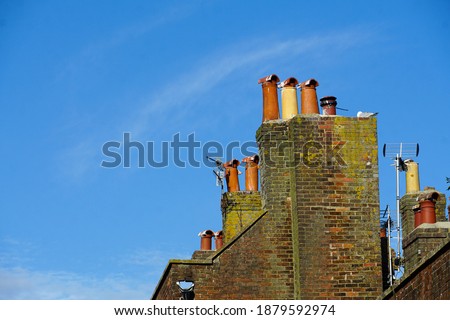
328,104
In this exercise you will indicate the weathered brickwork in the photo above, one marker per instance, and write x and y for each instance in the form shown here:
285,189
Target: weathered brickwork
424,239
326,169
429,280
315,234
239,209
256,264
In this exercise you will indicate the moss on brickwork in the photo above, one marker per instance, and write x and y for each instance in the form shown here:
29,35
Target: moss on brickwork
239,209
318,236
325,170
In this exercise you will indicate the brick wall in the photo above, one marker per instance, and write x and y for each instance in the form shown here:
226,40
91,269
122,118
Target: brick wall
239,209
424,239
317,235
256,264
326,169
429,280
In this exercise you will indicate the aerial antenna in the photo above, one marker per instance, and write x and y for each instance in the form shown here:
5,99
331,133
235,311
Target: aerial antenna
396,151
388,226
219,172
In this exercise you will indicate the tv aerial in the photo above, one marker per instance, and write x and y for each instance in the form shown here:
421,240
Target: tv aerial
387,225
219,172
397,151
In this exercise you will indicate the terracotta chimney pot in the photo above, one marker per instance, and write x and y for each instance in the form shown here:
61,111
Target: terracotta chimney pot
206,239
309,96
270,97
251,172
231,175
382,232
427,207
218,239
417,216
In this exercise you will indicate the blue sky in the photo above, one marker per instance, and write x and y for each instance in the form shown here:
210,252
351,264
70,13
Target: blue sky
77,74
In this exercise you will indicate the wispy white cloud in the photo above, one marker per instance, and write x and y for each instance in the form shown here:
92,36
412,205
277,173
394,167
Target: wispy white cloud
171,103
14,252
140,272
152,258
211,70
78,160
22,284
94,52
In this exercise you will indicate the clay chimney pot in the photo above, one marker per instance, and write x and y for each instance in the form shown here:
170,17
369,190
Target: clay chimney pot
251,172
219,239
309,96
231,175
206,239
270,97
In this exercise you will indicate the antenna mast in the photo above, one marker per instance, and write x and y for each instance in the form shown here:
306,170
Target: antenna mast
218,172
396,151
391,274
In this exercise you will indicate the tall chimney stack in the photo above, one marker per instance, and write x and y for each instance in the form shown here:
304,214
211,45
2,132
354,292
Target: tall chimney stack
289,101
309,96
270,97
